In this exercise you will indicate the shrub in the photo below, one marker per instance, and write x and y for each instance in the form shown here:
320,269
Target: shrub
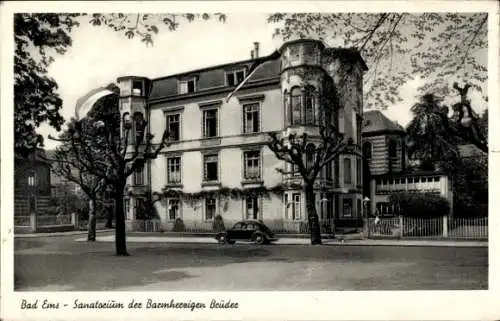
218,224
179,225
414,204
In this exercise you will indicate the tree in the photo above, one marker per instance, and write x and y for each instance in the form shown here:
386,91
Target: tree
401,46
119,156
308,155
39,37
36,99
69,164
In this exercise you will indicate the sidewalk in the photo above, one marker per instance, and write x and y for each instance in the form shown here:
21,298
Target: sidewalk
297,241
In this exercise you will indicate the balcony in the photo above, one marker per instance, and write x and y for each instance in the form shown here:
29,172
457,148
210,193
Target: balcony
411,183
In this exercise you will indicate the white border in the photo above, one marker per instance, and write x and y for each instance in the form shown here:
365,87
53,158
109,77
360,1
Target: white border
373,305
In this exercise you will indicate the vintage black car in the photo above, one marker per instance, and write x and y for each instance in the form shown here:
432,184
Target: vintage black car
248,230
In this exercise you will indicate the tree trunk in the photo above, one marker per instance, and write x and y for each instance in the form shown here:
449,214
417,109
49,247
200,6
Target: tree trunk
92,221
120,235
109,222
312,216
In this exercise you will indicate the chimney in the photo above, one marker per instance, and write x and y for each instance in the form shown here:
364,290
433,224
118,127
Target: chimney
251,54
256,49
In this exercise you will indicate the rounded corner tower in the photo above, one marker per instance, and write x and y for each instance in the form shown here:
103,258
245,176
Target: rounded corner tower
134,92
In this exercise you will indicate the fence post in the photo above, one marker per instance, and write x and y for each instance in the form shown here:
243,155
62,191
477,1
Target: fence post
400,226
74,220
33,222
445,226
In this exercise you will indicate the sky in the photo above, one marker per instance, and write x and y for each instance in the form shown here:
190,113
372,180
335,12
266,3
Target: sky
99,55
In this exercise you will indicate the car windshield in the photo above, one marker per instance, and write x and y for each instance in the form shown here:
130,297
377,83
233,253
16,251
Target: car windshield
238,225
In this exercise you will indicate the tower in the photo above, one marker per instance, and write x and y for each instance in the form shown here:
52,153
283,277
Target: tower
134,112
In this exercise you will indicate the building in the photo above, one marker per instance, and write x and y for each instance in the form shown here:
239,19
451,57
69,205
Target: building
386,169
31,183
218,162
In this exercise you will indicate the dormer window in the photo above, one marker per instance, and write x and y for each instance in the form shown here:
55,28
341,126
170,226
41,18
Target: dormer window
137,88
187,86
233,78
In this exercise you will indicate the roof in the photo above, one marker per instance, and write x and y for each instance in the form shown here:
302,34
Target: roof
376,122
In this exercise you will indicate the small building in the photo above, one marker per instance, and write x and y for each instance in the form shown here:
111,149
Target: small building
386,169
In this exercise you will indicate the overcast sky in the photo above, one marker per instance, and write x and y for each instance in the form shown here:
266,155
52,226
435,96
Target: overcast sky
100,55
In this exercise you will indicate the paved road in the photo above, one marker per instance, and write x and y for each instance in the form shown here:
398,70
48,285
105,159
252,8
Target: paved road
60,263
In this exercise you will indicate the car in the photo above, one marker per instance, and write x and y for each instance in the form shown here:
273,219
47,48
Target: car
247,230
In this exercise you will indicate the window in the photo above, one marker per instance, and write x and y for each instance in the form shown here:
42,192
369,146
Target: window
286,101
211,172
251,118
252,208
187,86
235,77
347,207
296,105
367,150
137,88
393,149
323,203
140,209
252,164
174,170
139,175
358,171
359,207
347,171
174,126
210,123
309,105
173,209
287,206
210,208
296,206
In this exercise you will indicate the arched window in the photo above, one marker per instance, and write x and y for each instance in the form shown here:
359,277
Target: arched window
367,150
296,105
310,156
309,103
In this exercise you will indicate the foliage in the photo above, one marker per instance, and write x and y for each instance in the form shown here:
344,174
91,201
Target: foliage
147,25
417,204
178,225
148,211
218,224
399,47
36,100
470,187
39,37
234,193
430,138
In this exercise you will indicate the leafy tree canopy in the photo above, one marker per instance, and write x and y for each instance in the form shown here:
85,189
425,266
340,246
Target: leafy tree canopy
398,47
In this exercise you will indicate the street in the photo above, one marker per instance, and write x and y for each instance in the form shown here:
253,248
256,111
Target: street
61,264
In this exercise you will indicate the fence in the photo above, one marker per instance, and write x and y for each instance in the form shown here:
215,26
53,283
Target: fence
44,223
429,228
100,224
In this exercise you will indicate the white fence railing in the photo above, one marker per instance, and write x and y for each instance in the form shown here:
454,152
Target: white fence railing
429,228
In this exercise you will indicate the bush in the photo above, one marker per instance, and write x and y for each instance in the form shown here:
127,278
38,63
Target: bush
179,225
218,224
414,204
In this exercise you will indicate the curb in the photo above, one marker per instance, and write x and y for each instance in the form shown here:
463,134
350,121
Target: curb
291,241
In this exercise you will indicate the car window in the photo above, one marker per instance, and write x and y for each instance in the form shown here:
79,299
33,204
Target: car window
238,226
250,226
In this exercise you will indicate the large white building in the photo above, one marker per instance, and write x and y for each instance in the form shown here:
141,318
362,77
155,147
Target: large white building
218,162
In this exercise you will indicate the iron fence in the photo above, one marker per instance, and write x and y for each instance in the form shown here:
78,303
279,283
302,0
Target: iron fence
22,221
429,228
53,220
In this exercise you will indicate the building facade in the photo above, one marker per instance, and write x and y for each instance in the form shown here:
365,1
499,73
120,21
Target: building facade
218,162
386,169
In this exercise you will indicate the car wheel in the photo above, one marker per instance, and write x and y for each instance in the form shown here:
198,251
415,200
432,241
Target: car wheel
221,239
259,238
